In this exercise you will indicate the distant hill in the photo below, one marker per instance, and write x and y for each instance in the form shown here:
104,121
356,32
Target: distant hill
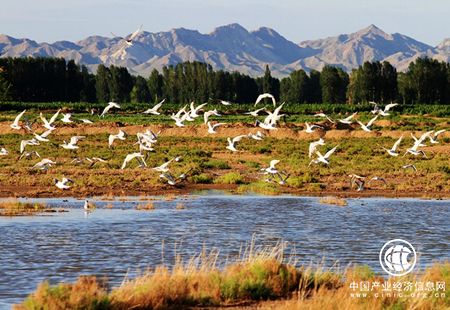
231,48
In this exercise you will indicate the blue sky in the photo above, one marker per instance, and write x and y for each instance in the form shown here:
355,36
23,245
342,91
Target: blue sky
297,20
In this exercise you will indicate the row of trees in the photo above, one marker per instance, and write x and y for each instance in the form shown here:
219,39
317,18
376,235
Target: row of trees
54,79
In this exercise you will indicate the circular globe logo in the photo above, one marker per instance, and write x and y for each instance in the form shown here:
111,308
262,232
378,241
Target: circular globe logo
398,257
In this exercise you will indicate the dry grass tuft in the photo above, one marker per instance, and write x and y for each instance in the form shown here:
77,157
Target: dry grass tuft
13,207
332,200
146,207
258,274
180,206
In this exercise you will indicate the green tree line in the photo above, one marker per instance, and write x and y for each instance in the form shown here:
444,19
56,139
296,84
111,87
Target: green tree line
44,79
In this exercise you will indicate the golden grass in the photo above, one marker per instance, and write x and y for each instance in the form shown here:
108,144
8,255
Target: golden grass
146,207
13,207
332,200
257,275
180,206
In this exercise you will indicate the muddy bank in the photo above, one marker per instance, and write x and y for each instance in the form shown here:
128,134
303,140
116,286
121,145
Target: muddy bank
187,189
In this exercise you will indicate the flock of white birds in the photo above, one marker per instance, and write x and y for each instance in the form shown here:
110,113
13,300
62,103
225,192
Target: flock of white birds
147,140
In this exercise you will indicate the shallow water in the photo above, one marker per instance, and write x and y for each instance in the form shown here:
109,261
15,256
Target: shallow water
121,240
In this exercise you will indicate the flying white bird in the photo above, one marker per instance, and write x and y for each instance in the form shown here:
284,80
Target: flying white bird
323,158
266,95
274,116
29,155
433,139
386,109
155,108
43,136
129,40
258,136
44,164
231,143
271,169
376,178
109,107
72,145
64,183
225,102
3,152
369,124
24,143
409,166
414,150
348,120
86,121
313,146
48,124
256,112
15,125
207,114
392,151
212,128
121,136
310,128
267,126
139,157
170,179
165,167
358,181
193,113
325,116
66,118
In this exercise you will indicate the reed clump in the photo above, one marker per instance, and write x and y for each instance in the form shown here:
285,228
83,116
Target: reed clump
180,206
146,207
13,207
333,200
258,275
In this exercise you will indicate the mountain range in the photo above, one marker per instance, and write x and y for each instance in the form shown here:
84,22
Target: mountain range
233,48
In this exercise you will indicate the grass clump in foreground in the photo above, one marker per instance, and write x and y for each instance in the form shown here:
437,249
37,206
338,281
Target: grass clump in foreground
332,200
16,208
258,275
